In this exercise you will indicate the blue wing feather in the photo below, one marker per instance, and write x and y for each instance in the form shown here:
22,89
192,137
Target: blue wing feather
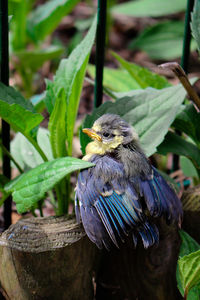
111,205
160,199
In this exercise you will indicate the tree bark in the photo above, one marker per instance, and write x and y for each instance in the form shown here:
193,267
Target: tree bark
51,258
46,258
141,274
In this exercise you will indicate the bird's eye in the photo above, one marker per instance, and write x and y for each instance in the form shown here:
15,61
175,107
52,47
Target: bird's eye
106,134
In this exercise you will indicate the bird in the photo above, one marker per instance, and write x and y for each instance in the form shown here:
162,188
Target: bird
122,193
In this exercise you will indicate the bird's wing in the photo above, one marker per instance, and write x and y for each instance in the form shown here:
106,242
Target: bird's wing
110,206
160,198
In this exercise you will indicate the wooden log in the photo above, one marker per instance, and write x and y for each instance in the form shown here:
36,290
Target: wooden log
46,258
51,258
191,206
141,274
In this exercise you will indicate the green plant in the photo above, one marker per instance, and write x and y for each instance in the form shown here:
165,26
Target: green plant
29,27
155,39
45,151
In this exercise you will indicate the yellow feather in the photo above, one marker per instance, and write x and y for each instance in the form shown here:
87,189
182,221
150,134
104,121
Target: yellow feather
101,148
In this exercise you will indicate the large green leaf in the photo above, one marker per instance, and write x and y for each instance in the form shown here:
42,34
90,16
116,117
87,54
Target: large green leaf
150,111
34,59
118,80
70,76
150,8
57,126
176,144
24,152
143,77
18,112
162,41
130,77
189,267
188,121
46,17
195,24
188,246
30,187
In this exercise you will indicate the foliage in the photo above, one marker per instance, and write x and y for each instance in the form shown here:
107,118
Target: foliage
155,40
188,282
188,121
150,111
31,186
150,8
195,24
130,76
41,152
29,28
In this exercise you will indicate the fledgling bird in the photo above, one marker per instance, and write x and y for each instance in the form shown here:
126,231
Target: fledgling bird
123,190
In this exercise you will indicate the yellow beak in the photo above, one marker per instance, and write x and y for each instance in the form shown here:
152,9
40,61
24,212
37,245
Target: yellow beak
92,134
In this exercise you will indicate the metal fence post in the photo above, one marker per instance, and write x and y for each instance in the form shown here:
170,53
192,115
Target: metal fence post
4,78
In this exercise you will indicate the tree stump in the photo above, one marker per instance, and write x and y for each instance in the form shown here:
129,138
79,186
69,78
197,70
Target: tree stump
46,258
52,258
191,207
141,273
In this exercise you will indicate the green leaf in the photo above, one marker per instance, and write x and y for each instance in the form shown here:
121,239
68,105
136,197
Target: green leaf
34,59
70,76
195,24
150,111
24,152
162,41
30,187
57,126
150,8
188,121
188,167
143,77
188,246
189,267
46,17
176,144
116,79
18,112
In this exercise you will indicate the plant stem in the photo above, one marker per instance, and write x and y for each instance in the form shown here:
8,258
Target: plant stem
100,51
179,72
11,157
185,294
52,198
60,200
40,208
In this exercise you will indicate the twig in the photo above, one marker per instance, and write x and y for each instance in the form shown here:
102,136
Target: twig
179,72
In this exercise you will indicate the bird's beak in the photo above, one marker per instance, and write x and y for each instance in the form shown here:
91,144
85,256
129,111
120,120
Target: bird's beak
92,134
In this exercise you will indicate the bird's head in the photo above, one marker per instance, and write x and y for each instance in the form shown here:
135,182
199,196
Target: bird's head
109,131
